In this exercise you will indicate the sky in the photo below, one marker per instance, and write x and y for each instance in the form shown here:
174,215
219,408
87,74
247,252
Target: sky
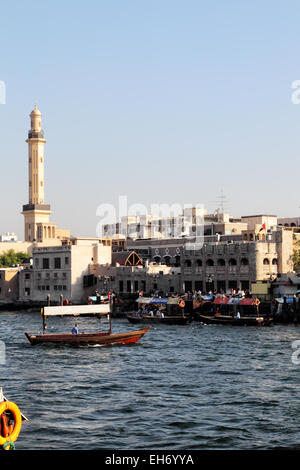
163,102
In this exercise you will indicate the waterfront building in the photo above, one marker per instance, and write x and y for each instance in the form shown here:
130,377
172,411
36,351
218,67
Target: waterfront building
59,271
9,284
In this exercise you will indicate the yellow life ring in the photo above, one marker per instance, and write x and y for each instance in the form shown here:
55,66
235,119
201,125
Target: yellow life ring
12,407
182,304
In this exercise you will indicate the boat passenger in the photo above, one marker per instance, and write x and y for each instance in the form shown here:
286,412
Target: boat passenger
75,329
238,315
150,313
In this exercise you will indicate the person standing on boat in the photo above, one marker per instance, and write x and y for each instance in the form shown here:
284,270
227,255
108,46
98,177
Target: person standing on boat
75,329
238,315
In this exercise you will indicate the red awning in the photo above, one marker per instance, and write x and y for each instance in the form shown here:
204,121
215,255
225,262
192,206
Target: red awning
247,301
221,300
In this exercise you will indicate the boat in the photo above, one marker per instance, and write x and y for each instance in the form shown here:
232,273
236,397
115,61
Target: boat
170,311
11,420
167,320
93,338
233,321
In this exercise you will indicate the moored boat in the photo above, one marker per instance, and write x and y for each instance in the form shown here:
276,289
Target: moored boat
233,321
167,319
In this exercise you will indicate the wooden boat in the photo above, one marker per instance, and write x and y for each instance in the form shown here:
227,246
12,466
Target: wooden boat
95,338
103,339
167,319
229,320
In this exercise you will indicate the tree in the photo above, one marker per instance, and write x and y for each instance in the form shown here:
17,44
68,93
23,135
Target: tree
11,258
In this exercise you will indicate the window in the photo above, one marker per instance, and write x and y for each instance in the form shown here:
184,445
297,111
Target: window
55,287
64,287
36,262
66,260
266,261
45,263
209,262
128,286
57,263
27,291
232,262
27,276
275,261
136,286
64,275
244,262
221,262
121,286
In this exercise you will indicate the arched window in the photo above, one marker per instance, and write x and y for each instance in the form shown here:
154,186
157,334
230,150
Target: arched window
275,261
210,262
221,262
244,261
232,262
167,260
266,261
188,263
157,258
177,260
199,262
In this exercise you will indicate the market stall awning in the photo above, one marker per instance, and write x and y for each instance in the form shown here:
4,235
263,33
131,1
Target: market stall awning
221,300
234,301
247,301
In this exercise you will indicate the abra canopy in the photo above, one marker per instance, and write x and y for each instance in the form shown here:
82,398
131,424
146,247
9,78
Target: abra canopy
96,309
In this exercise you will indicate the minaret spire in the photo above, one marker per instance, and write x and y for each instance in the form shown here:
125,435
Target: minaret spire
36,213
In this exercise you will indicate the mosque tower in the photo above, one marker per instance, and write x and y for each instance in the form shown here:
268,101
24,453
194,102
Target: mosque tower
36,212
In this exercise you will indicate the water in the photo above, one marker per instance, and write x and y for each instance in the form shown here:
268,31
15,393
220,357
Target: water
181,387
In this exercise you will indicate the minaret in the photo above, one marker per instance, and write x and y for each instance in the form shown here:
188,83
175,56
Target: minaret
36,144
36,213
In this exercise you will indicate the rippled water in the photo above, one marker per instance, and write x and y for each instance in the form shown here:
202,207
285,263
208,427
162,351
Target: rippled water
181,387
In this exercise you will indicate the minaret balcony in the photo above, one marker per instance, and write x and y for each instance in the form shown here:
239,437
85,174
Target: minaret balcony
35,135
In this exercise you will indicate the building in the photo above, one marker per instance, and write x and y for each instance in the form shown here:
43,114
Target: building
37,225
59,271
8,237
236,264
9,284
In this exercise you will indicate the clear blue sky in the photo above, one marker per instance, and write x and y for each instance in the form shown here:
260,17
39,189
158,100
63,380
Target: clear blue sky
163,101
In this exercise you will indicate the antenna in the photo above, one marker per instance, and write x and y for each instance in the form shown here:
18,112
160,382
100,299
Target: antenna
222,200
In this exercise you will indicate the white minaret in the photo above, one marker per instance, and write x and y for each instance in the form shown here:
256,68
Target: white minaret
36,212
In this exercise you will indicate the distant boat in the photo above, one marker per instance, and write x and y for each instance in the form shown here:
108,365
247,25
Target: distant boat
167,319
95,338
233,321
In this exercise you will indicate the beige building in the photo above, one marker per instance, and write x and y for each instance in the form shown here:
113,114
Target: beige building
9,284
59,270
37,225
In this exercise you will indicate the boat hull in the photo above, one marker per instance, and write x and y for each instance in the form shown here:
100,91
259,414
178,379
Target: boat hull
243,321
167,320
103,339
